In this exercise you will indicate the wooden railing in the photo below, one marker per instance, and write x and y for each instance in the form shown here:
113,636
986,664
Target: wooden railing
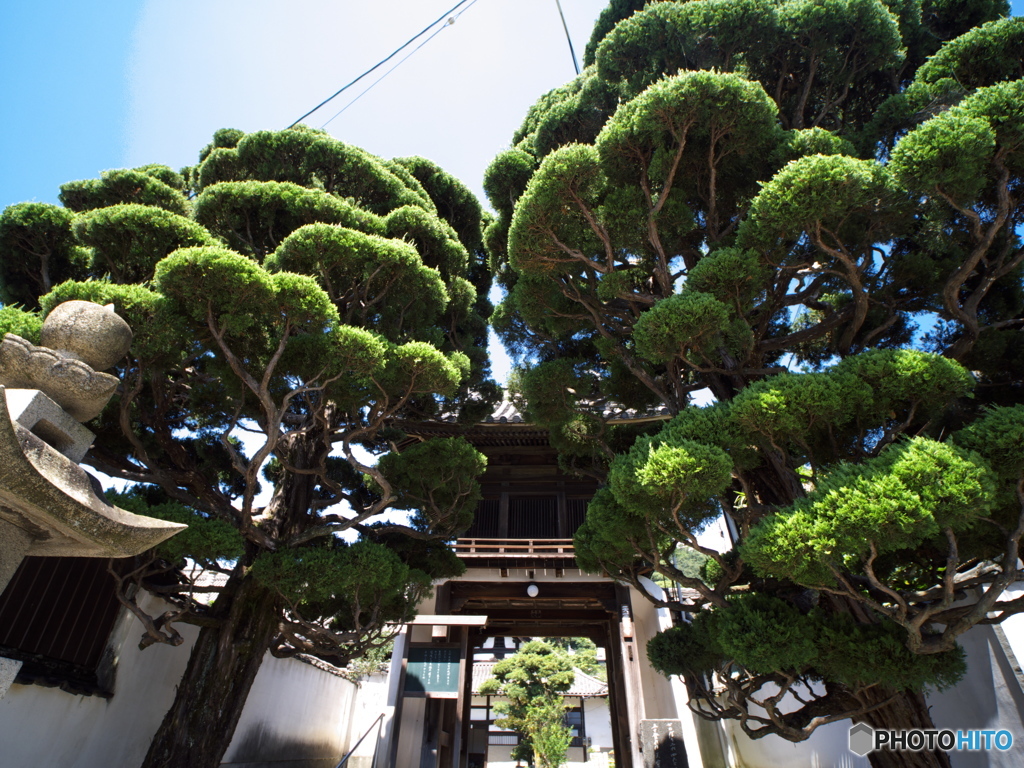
528,548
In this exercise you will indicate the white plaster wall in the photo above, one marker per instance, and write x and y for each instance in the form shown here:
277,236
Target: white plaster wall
294,710
826,748
598,720
1013,627
370,701
659,701
699,748
988,698
290,701
48,727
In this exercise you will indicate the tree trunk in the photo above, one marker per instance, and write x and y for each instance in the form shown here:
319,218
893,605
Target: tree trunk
907,711
197,729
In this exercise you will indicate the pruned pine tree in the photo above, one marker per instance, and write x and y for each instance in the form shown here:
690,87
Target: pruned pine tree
808,215
292,297
532,683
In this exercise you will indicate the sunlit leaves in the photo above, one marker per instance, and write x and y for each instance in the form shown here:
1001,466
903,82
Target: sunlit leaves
346,581
20,323
999,437
895,501
793,407
766,635
435,241
506,178
438,479
678,323
813,57
419,368
831,196
660,480
216,284
982,56
549,223
37,251
908,377
124,186
948,153
953,154
720,113
376,282
253,217
128,240
206,540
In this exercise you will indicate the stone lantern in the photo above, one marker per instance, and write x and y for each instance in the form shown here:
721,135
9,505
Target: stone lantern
49,505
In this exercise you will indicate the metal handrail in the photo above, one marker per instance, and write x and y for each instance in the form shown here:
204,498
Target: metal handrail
344,760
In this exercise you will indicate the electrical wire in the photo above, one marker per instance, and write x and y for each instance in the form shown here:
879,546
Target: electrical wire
438,31
384,61
565,26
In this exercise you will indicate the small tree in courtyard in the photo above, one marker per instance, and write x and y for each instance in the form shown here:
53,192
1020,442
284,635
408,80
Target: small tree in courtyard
533,681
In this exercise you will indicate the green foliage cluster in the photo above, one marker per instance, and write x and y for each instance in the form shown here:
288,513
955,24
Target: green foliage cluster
532,682
764,634
896,501
583,654
292,298
437,478
355,585
40,252
810,213
206,540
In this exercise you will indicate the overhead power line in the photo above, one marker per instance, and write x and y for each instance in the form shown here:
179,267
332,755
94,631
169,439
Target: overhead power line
451,20
384,61
565,26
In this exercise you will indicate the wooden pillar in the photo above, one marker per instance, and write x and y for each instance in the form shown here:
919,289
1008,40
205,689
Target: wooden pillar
465,677
563,513
475,641
396,728
617,704
630,671
583,729
503,513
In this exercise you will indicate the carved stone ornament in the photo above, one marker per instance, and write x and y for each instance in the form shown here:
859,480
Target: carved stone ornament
79,339
60,505
49,505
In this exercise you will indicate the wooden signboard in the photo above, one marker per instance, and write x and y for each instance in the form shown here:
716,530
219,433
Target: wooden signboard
432,671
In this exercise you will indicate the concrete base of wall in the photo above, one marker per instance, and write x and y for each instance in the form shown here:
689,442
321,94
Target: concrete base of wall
8,671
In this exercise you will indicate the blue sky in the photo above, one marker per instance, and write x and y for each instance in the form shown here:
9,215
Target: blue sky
92,86
64,89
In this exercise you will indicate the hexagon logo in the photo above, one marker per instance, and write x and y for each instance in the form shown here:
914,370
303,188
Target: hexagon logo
862,739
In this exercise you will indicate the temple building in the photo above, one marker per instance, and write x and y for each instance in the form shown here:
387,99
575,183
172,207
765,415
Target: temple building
522,580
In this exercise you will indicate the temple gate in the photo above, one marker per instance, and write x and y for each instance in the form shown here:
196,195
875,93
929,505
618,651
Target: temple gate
522,580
